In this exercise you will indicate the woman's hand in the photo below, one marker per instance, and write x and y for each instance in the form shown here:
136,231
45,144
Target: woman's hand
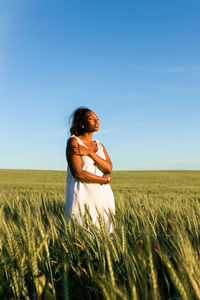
109,178
79,150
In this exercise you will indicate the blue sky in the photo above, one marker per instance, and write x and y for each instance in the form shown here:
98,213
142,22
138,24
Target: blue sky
135,63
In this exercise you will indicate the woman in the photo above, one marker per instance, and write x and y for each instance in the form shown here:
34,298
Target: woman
88,173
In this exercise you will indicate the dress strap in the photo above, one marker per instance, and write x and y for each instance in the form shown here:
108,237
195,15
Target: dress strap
79,141
99,145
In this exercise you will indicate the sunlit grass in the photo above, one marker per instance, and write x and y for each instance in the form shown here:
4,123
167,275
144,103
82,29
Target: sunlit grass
154,252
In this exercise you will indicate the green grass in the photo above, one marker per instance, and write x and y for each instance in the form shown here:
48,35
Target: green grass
154,253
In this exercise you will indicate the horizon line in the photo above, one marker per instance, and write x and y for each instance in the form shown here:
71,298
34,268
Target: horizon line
123,170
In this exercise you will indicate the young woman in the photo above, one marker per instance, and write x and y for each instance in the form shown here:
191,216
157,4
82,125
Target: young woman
88,173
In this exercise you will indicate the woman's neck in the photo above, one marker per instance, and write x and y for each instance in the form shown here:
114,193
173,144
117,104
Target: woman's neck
87,136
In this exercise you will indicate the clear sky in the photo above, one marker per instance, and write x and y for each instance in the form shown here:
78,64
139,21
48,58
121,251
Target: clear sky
136,64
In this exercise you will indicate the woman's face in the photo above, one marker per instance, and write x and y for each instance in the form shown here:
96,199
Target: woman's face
91,122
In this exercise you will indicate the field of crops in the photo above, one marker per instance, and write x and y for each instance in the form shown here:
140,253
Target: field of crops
154,252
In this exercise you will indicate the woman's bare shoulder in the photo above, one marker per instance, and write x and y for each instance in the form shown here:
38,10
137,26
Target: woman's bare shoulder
72,141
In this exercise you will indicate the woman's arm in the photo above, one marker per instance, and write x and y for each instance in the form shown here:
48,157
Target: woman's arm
74,162
105,165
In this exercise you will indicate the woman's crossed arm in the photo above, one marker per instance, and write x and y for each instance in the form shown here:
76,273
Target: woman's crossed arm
74,152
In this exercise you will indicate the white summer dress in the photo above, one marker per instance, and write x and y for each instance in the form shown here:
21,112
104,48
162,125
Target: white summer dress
91,196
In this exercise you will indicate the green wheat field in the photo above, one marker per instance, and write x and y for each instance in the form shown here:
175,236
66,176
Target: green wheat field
154,252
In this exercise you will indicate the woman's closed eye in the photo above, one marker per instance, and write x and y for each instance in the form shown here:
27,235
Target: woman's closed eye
95,119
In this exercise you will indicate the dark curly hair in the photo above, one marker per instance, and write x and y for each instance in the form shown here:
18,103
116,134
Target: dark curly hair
77,120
